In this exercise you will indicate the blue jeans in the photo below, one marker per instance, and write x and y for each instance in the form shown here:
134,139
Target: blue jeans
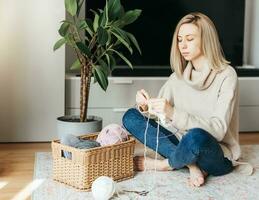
197,146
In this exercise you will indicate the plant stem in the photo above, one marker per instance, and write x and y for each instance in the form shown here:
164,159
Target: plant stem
76,30
92,42
86,73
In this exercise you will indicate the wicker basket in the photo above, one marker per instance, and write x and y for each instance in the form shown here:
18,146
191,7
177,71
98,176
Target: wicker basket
85,166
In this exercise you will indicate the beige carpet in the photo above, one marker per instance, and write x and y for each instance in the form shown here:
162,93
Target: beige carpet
168,185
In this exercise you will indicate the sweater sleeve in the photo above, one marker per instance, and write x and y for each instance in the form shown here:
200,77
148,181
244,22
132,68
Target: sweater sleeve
218,123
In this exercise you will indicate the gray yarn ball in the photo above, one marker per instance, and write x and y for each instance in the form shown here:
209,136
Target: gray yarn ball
74,141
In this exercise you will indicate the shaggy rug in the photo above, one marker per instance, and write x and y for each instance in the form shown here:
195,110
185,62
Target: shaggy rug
168,185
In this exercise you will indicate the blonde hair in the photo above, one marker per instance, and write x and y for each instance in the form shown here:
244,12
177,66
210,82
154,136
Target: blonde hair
211,47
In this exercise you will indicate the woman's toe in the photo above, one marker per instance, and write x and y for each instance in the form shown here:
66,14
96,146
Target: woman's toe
200,180
196,182
189,182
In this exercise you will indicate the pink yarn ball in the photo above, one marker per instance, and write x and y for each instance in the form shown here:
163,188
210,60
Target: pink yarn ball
112,134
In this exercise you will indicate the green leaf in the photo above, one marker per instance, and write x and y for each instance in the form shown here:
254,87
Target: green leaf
93,74
79,5
59,43
134,41
76,65
82,24
122,12
63,30
94,12
98,52
106,13
102,35
96,20
71,7
122,57
67,21
105,67
114,7
122,39
103,20
101,77
122,33
128,18
112,62
107,58
117,43
89,27
131,16
109,38
70,40
83,48
100,10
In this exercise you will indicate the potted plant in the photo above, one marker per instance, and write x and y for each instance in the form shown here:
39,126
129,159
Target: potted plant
96,43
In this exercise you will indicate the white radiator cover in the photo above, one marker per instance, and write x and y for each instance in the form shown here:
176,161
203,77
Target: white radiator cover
121,93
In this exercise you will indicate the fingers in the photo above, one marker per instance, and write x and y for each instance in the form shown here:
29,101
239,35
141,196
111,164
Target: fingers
142,97
146,95
156,104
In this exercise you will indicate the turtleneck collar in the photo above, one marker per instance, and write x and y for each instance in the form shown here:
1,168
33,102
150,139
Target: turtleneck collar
199,80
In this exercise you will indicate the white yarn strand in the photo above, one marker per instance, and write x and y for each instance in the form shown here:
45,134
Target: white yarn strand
145,158
156,152
157,144
145,142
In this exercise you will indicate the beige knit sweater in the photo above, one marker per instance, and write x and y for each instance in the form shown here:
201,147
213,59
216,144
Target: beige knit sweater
208,100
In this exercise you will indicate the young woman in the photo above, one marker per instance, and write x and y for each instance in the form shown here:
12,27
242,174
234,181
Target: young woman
199,100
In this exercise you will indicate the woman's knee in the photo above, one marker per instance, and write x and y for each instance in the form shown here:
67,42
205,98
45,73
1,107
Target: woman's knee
198,137
129,116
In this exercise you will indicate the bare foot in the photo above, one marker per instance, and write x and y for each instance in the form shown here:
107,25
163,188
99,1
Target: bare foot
161,165
197,177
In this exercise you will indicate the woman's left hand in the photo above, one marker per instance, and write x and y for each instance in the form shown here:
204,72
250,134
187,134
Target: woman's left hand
161,106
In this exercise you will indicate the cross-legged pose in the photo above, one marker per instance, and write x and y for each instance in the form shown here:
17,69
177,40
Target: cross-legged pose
199,102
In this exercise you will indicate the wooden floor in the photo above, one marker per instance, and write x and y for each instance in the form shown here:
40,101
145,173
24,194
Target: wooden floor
17,166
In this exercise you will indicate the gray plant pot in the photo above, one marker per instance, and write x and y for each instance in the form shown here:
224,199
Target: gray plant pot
72,125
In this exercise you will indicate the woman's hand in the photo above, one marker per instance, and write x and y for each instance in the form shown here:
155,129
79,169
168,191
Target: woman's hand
160,106
141,99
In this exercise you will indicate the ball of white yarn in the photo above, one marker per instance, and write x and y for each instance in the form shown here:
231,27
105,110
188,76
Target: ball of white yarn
103,188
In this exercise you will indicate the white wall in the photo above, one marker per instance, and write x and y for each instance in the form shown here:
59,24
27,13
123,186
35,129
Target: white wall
31,74
251,39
